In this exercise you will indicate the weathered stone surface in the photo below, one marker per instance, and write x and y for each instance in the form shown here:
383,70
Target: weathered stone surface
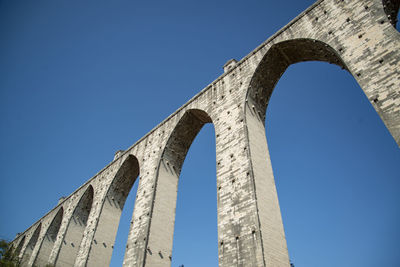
357,35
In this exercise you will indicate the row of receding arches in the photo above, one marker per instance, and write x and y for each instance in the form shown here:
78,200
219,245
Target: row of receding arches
108,221
75,225
73,235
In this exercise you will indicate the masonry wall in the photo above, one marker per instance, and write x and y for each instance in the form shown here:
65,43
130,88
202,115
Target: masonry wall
356,35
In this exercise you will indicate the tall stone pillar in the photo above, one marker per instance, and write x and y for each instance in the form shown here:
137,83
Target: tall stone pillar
250,229
137,244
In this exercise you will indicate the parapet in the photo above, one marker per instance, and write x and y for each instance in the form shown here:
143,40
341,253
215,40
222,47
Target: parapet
230,64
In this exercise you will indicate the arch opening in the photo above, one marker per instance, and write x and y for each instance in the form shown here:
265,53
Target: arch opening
163,216
31,245
182,137
196,206
330,186
102,247
278,58
49,239
76,226
19,247
124,227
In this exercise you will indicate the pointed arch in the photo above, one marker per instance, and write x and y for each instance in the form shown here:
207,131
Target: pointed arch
106,230
182,137
31,245
19,246
49,239
267,74
278,58
170,165
283,54
75,228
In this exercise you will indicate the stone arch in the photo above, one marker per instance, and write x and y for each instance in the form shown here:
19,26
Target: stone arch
49,239
391,8
19,246
182,137
268,72
106,230
159,245
31,245
278,58
282,54
74,233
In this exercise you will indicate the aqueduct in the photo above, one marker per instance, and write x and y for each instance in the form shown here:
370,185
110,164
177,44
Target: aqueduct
358,35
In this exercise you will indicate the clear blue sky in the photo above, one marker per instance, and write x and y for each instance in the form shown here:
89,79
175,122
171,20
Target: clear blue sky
80,80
